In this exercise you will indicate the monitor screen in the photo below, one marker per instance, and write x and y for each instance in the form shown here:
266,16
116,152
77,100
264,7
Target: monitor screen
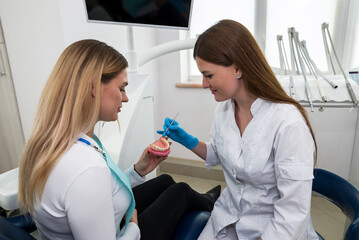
151,13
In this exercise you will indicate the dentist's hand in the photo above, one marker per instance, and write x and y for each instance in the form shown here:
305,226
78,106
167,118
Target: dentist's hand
178,134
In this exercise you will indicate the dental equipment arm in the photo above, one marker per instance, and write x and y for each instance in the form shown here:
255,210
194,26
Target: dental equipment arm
285,64
349,87
310,67
285,60
281,58
316,69
295,68
301,64
326,48
294,64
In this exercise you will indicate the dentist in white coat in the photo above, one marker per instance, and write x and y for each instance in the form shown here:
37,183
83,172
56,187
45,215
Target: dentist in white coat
261,137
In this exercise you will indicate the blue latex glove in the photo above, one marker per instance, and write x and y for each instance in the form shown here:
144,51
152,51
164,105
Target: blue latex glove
178,134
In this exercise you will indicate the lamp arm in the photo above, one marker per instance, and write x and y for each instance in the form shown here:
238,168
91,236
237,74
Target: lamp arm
164,48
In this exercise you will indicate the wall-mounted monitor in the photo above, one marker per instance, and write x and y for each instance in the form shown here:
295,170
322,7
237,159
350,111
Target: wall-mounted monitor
174,14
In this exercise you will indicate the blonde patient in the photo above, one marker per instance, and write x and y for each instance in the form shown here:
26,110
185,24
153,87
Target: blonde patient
70,184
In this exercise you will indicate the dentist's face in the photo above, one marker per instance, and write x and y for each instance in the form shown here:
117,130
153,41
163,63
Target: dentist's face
113,94
222,81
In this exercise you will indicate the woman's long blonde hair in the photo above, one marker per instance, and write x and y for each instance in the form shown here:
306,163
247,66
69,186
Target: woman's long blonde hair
229,43
69,105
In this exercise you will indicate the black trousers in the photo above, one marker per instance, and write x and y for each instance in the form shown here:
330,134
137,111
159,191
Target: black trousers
160,204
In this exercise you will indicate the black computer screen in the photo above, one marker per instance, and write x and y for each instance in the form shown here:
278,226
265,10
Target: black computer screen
153,13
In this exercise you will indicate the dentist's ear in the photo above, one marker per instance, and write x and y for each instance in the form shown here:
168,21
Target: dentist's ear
238,73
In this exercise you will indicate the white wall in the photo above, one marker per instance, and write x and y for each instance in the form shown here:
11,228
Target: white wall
37,31
34,40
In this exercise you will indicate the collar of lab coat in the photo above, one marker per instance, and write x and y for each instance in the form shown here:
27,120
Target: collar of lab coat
254,107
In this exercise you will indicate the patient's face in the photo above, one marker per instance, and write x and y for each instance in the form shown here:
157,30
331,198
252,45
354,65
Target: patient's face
222,81
113,94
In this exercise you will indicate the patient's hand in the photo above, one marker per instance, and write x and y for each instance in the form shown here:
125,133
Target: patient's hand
148,162
134,217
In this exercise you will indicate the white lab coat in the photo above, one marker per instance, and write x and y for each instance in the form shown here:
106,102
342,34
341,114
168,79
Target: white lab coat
268,171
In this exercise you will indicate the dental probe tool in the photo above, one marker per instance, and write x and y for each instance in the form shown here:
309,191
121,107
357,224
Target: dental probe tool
173,120
317,70
301,64
349,87
307,61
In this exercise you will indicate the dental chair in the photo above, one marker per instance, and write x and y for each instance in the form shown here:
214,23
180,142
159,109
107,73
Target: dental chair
20,227
341,193
326,184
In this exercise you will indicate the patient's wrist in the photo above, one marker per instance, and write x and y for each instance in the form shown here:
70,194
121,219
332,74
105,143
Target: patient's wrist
134,168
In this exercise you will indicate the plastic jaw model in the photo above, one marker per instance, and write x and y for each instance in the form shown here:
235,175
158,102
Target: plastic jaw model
160,148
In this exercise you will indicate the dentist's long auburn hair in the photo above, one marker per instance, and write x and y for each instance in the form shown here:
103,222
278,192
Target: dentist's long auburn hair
229,43
69,105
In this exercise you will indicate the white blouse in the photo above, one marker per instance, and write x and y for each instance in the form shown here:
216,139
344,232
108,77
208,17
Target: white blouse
83,200
268,171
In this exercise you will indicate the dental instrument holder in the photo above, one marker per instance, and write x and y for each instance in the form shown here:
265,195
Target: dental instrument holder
293,63
301,64
281,57
326,48
325,29
285,65
316,69
305,55
295,68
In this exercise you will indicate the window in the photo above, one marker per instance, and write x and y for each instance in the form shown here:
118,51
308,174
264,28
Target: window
206,13
351,51
280,15
304,16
